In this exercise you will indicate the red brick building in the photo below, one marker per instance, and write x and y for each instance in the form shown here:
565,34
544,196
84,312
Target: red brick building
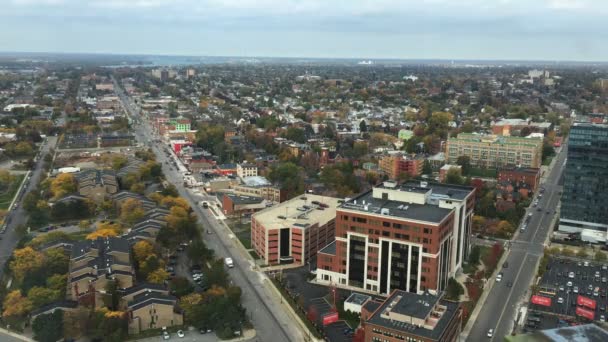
241,205
520,177
412,237
293,231
405,316
395,165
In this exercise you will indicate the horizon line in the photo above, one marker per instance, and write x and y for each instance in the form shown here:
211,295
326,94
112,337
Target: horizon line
394,59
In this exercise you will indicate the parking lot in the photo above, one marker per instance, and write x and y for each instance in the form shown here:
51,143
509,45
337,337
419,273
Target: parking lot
565,280
315,296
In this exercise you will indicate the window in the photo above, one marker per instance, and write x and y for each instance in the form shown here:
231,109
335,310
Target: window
386,224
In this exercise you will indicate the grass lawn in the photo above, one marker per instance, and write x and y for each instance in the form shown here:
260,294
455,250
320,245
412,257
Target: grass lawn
254,255
245,239
242,232
485,173
547,161
7,197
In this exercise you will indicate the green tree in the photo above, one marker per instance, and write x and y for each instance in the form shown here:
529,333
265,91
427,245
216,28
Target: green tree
426,168
40,296
475,255
363,126
600,256
453,177
48,327
454,289
465,163
288,176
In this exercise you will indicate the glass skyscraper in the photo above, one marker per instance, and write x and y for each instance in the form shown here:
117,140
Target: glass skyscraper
584,206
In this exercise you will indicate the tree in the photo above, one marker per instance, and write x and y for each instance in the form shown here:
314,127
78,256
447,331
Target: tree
25,260
171,201
63,184
48,327
582,253
600,256
57,282
149,265
216,275
15,305
131,211
465,163
475,255
24,148
158,277
101,233
119,161
505,228
180,286
453,176
288,176
295,134
142,250
454,289
426,167
56,261
40,296
363,126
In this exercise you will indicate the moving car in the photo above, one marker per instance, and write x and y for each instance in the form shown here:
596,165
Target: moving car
180,334
490,332
229,262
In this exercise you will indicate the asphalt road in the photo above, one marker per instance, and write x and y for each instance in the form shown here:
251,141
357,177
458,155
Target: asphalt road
18,216
500,309
264,309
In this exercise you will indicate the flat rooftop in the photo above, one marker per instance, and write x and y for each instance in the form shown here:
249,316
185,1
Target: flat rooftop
418,212
299,211
414,305
357,298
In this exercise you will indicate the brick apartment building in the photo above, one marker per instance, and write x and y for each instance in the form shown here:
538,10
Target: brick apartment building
293,231
395,165
411,237
406,316
520,177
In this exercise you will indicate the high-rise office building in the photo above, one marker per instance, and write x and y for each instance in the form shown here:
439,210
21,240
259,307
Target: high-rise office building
410,236
584,198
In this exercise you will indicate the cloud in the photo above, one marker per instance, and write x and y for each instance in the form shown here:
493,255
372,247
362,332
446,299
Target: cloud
298,25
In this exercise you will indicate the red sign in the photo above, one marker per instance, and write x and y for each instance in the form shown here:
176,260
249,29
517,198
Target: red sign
584,301
585,313
540,300
330,318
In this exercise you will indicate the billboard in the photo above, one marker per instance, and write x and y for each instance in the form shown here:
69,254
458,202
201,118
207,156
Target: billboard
330,318
585,301
540,300
585,313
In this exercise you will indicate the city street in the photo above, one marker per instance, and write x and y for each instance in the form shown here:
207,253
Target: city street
266,312
18,216
500,309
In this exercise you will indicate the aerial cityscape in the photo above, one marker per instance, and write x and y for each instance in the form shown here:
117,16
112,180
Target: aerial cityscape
392,183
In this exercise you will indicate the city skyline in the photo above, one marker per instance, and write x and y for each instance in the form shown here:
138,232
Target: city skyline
551,30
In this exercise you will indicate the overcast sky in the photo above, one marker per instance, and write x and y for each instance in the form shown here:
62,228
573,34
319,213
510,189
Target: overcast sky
408,29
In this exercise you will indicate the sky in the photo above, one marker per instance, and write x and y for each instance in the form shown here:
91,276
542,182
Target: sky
552,30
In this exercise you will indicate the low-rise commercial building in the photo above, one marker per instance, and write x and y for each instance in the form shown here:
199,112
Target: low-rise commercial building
293,231
406,316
